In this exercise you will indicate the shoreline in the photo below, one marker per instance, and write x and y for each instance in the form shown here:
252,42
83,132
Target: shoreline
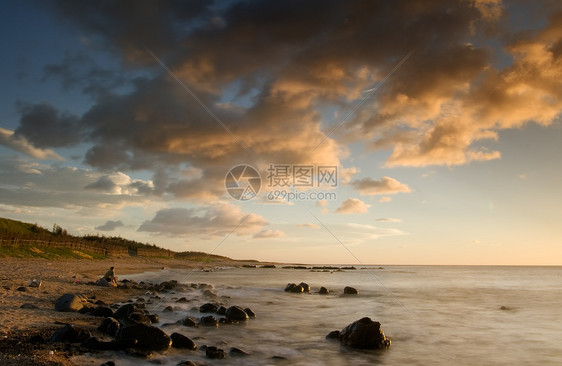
38,317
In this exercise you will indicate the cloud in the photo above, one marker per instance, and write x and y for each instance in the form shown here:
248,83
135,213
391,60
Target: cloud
353,206
110,225
120,183
309,225
385,199
358,233
209,223
19,143
384,186
389,220
269,234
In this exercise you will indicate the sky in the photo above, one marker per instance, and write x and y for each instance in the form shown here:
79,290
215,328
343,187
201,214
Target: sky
356,132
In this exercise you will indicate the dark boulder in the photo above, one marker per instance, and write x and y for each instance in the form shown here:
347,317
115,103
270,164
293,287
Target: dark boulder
108,363
69,302
124,311
181,341
335,334
297,289
182,300
186,363
210,321
221,310
149,338
350,291
236,313
364,333
208,308
290,287
70,334
103,311
250,312
168,309
215,353
188,321
139,318
154,318
305,286
324,291
237,352
109,326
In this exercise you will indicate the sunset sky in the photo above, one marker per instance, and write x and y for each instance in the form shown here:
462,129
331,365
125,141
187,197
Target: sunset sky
443,118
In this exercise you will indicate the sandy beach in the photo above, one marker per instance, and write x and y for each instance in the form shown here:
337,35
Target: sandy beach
58,277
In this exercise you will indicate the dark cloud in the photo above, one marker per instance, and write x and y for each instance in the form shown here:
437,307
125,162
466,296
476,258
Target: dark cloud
210,222
110,225
46,127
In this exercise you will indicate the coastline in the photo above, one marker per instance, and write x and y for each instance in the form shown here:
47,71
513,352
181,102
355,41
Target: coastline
38,317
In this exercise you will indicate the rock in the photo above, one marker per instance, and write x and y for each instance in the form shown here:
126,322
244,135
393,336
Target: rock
250,313
109,326
149,338
221,310
93,343
324,291
103,283
215,353
237,352
364,333
350,291
103,311
86,309
226,321
28,306
208,308
69,302
501,307
209,321
297,289
236,313
182,300
70,334
100,303
154,318
108,363
335,334
305,286
188,321
186,363
124,311
181,341
22,289
139,318
290,287
168,309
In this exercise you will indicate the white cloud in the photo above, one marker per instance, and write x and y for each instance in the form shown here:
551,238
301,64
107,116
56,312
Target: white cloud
389,220
386,185
353,206
309,225
269,234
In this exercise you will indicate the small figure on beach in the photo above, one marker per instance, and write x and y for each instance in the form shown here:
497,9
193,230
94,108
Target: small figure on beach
110,277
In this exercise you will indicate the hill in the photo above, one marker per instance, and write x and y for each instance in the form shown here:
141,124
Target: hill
21,239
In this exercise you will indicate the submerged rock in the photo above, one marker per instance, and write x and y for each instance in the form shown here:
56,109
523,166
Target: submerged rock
350,291
215,353
208,308
305,286
210,321
237,352
324,291
181,341
188,321
250,312
364,333
335,334
236,313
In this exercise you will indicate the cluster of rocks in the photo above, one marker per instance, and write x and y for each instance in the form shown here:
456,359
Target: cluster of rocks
131,328
304,287
363,333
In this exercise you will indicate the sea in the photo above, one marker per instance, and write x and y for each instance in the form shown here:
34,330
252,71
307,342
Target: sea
434,315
